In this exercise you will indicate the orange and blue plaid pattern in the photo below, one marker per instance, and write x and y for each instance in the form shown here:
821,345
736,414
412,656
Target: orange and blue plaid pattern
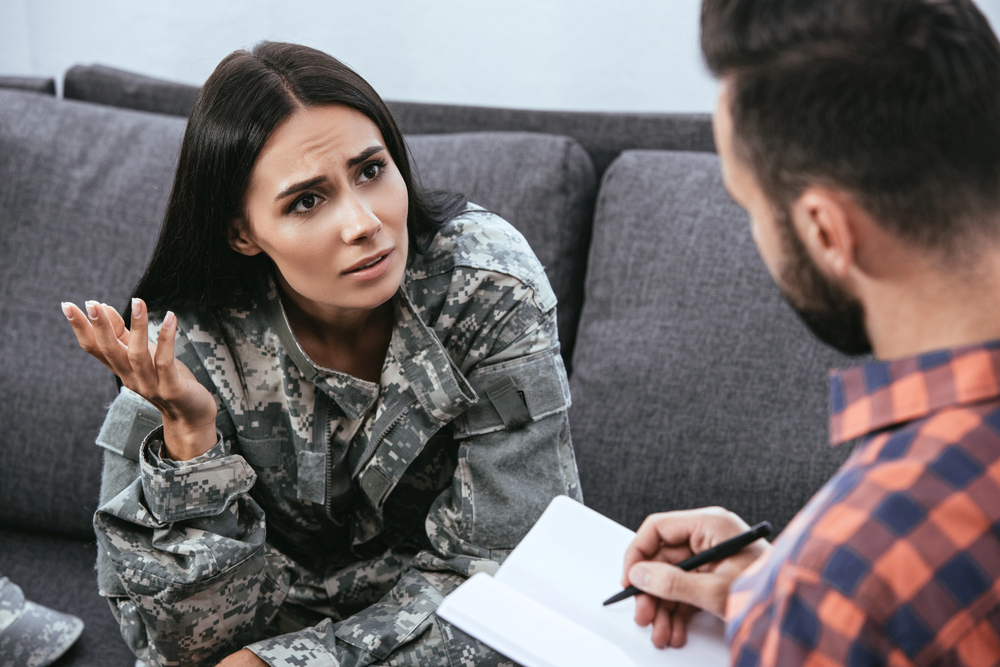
896,561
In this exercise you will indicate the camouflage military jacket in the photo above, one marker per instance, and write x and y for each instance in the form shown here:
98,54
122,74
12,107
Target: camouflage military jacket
452,457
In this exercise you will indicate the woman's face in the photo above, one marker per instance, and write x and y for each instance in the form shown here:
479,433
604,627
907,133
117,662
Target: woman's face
328,206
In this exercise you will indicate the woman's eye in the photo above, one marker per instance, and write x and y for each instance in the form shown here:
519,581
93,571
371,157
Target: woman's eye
304,203
371,171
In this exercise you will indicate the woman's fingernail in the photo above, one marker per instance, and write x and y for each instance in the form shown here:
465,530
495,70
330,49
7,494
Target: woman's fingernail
639,576
169,319
66,309
136,308
92,309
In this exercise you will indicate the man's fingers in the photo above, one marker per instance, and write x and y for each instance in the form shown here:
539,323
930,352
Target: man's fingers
663,624
645,609
703,590
681,617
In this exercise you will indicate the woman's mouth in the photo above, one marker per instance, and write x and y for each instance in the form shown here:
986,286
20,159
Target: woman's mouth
372,267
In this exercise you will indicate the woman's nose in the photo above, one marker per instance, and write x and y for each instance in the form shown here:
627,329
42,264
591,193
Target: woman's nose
360,223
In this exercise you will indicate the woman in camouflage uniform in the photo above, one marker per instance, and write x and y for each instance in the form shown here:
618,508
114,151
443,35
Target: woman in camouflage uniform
356,403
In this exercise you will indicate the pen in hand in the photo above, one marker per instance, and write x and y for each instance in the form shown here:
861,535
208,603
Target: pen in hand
718,552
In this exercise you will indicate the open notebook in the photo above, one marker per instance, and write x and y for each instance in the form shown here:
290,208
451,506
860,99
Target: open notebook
543,607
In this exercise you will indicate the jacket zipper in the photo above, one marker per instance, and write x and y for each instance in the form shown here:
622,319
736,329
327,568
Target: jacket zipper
329,457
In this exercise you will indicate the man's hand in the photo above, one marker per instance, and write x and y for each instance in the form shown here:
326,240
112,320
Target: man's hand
244,658
673,596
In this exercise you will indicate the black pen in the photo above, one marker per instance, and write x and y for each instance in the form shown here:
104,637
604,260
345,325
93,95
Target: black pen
718,552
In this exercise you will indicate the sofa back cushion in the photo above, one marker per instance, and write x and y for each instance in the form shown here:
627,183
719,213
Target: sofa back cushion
603,135
694,383
119,88
35,84
83,189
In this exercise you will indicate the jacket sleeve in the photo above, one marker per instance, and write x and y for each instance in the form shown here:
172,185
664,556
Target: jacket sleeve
512,460
181,557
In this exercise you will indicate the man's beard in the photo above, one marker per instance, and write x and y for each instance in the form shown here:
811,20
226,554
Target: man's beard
828,311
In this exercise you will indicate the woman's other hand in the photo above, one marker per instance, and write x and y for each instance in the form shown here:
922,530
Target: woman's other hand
672,596
152,371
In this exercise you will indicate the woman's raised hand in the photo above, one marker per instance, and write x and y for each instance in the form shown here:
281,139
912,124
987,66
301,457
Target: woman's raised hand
150,370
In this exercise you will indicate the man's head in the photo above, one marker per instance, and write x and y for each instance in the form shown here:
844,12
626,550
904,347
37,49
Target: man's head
884,110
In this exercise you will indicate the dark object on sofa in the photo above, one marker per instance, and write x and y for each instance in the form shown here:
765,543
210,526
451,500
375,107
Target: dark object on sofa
693,383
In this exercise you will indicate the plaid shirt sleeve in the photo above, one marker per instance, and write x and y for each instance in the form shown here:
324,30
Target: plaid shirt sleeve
896,561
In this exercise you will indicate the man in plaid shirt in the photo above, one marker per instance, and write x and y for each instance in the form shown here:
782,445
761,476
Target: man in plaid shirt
863,138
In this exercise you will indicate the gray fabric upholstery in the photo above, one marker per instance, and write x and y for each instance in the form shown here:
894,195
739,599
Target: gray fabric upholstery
544,186
694,383
35,84
84,188
603,135
58,572
118,88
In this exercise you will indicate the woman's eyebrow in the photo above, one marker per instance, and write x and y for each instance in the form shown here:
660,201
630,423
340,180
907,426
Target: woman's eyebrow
299,187
364,155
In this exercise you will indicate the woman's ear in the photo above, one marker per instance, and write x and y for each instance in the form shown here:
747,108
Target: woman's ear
241,240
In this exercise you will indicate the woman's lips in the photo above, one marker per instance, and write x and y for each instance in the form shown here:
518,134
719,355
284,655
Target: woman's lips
372,268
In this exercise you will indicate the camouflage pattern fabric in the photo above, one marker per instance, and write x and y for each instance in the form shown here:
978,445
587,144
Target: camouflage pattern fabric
334,514
32,635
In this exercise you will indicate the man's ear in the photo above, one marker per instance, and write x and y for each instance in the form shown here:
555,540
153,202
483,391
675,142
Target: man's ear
241,240
824,220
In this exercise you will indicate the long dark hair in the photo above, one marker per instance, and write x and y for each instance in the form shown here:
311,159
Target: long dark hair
193,266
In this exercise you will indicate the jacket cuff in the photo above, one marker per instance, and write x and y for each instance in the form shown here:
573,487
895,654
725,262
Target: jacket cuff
203,486
294,650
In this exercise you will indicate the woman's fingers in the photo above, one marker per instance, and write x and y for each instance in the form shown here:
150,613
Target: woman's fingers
83,331
107,341
163,357
138,345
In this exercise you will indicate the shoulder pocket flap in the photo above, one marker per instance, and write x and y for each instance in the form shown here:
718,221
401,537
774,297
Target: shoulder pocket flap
515,393
260,452
130,419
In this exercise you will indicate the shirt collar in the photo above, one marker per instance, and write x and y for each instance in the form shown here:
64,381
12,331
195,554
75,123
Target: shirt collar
879,394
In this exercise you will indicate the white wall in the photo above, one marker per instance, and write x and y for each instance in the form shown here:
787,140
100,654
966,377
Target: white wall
609,55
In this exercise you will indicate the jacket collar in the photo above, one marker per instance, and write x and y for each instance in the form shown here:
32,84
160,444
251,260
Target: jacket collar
880,394
441,389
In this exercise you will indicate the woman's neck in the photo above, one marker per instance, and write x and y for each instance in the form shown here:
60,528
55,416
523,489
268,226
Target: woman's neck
352,342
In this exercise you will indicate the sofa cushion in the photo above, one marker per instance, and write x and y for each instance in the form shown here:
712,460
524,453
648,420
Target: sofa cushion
603,135
119,88
544,185
83,191
35,84
694,383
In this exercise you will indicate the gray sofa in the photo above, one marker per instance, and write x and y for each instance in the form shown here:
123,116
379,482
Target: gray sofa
693,383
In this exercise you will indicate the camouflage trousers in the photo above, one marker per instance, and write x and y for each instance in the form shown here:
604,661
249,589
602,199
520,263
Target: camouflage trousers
440,645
